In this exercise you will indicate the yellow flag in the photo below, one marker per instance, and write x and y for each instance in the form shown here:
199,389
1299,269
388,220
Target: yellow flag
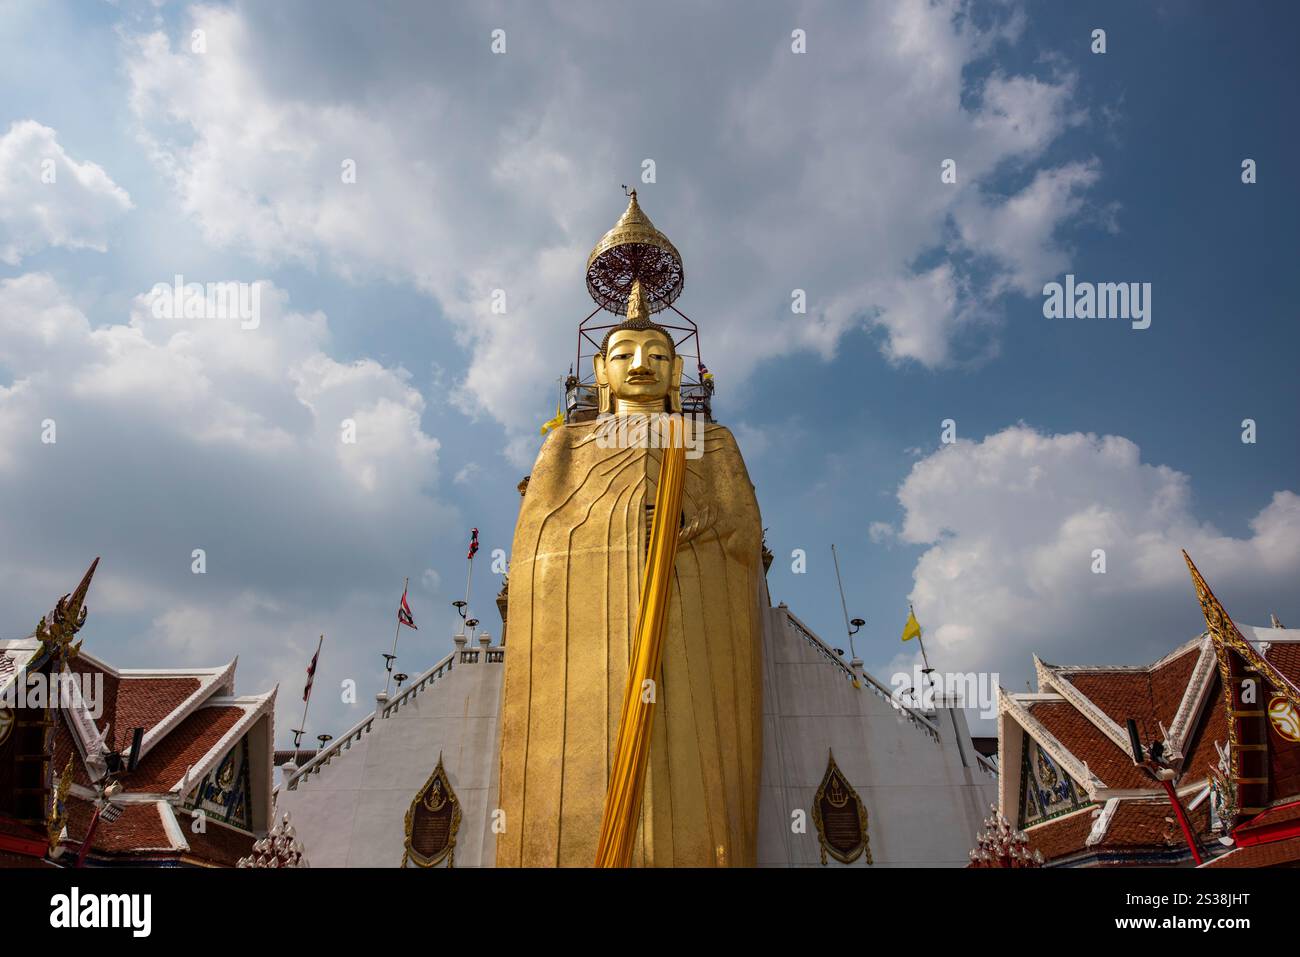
554,423
913,627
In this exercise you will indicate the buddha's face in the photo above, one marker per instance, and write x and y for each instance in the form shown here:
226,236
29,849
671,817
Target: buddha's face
637,365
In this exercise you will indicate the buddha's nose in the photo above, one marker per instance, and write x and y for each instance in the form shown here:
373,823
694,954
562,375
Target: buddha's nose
638,362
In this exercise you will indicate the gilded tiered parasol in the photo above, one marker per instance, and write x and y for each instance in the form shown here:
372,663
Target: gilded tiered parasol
634,250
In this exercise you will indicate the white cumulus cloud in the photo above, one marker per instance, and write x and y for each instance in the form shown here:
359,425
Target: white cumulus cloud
477,172
47,198
171,435
1011,524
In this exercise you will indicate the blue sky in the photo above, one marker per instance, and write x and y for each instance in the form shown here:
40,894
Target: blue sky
774,171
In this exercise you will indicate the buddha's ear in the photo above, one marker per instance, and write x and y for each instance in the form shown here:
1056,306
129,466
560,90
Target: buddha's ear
675,386
604,403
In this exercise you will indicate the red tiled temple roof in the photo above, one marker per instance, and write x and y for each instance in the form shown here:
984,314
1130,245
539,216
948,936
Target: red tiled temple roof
185,746
8,860
187,727
1200,752
137,701
1281,814
140,832
1275,854
301,755
1061,836
145,702
64,748
108,708
1143,826
1153,823
1150,696
1285,657
1169,685
22,832
219,845
140,828
160,770
1135,825
1085,741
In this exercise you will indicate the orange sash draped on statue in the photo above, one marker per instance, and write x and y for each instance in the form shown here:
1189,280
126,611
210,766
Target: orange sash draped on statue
632,750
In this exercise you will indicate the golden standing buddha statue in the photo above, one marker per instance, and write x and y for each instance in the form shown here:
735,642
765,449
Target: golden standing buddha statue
578,561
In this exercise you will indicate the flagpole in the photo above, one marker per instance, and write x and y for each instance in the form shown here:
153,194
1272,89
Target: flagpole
950,705
302,729
920,637
469,577
406,583
843,605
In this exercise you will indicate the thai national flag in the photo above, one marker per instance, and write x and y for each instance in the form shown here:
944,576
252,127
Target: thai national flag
404,616
473,543
311,670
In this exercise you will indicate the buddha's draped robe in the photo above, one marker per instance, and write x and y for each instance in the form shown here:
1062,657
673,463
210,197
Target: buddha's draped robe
575,577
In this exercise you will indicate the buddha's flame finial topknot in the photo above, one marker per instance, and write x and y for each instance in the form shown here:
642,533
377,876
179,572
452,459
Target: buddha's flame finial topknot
636,307
638,317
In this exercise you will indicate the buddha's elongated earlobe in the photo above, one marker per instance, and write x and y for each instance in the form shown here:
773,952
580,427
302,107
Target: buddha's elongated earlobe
604,400
675,386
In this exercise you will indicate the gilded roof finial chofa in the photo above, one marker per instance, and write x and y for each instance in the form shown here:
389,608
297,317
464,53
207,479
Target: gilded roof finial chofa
634,251
1225,634
57,629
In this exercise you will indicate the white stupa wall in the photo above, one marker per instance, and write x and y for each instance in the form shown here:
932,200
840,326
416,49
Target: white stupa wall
925,804
352,811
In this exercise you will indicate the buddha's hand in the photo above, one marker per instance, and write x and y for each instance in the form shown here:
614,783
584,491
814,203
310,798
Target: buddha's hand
701,523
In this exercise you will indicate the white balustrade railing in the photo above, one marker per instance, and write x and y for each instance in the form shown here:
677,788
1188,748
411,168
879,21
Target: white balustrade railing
921,722
366,724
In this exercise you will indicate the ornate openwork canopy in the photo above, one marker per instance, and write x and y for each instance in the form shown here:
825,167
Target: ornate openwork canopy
634,250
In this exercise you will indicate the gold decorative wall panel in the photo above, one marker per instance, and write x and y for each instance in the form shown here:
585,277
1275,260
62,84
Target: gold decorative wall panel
432,822
841,817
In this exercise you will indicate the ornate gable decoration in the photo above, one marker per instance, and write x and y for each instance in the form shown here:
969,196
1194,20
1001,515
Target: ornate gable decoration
1046,789
1285,718
432,822
841,817
225,791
